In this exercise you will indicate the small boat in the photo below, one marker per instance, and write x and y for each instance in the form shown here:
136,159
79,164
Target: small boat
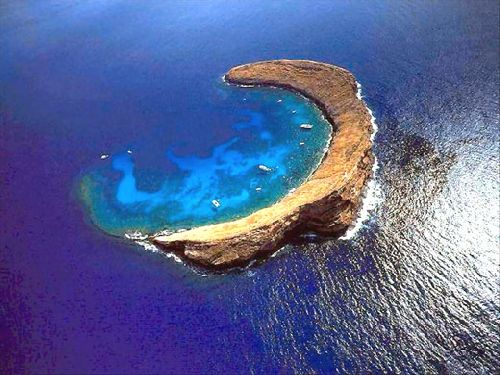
129,152
104,156
294,111
279,101
258,189
301,143
306,126
264,168
216,203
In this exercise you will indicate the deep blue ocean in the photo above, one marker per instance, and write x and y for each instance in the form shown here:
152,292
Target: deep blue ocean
114,118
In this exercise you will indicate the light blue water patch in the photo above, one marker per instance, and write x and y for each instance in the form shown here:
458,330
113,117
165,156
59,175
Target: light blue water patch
124,195
127,193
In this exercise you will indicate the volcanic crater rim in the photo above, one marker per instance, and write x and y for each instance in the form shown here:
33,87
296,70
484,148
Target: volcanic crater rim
329,199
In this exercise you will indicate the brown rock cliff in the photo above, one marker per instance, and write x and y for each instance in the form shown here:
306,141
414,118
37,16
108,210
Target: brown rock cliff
326,203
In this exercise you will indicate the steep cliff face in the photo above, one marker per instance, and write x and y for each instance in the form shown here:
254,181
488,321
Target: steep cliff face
326,203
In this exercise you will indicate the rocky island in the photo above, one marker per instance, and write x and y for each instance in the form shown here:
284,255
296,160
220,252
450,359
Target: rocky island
327,203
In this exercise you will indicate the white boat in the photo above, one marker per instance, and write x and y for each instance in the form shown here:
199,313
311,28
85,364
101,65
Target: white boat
258,189
306,126
301,143
294,111
104,156
279,101
216,203
264,168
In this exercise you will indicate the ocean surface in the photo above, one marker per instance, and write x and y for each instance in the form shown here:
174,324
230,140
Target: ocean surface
114,119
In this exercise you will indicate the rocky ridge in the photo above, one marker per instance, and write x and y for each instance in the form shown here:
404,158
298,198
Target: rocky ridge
327,203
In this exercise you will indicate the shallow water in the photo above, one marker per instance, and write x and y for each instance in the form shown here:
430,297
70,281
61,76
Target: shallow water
414,290
262,128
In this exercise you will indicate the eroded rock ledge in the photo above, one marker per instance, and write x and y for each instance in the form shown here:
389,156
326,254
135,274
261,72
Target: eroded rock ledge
326,203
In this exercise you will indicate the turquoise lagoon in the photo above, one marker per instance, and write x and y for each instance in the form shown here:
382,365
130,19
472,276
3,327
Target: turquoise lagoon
261,126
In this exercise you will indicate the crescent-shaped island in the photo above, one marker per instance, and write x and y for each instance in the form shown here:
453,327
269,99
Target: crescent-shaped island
326,203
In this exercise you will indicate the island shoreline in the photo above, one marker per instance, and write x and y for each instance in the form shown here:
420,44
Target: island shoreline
327,202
